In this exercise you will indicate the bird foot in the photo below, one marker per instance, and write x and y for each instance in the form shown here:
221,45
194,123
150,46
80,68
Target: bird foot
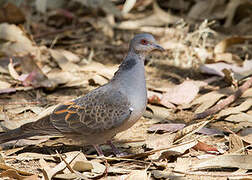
116,151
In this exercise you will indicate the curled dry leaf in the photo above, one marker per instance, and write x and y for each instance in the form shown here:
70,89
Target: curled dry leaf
226,161
63,61
181,94
159,18
10,13
224,44
50,172
83,166
189,130
12,173
17,43
217,68
137,174
246,105
201,146
4,85
236,145
209,99
171,127
241,117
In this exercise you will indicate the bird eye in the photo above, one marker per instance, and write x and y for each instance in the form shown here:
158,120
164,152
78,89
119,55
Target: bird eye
144,42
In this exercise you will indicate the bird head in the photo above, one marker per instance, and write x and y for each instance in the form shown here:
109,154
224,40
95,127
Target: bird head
144,43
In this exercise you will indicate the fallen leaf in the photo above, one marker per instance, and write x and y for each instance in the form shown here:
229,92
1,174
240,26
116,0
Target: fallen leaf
10,13
135,175
201,146
11,173
224,44
181,94
6,167
17,43
171,127
217,68
4,85
71,57
209,99
226,161
236,145
83,166
244,106
63,62
50,172
241,117
189,130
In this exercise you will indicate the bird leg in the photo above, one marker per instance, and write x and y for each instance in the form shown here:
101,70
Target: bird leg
98,150
116,152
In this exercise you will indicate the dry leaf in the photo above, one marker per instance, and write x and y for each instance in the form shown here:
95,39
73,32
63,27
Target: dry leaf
201,146
83,166
11,173
171,127
4,85
50,172
217,68
63,62
181,94
10,13
17,43
159,18
224,44
6,167
226,161
236,145
137,175
237,109
189,130
177,150
209,99
71,57
241,117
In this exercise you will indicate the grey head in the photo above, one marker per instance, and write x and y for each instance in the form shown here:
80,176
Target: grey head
144,43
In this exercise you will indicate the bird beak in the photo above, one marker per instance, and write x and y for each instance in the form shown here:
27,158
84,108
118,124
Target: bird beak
158,47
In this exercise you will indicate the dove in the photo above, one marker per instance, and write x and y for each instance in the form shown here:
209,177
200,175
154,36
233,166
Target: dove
98,116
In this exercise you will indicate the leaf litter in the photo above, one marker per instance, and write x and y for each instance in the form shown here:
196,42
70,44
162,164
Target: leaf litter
50,62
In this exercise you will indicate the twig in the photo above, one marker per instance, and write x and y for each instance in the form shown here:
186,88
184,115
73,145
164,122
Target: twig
212,174
219,106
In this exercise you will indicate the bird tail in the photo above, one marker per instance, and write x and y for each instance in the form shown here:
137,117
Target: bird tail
40,127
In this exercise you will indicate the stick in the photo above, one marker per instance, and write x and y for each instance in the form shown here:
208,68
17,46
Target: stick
223,103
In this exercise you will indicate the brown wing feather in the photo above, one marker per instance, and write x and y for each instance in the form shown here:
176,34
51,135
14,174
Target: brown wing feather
98,111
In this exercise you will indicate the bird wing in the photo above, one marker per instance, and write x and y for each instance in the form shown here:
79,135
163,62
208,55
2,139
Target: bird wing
98,111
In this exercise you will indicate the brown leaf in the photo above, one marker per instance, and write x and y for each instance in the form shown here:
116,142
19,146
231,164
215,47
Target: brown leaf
50,172
201,146
226,161
17,43
217,68
12,173
154,97
228,58
181,94
10,13
189,130
35,77
235,144
137,174
224,44
63,62
171,127
209,99
244,106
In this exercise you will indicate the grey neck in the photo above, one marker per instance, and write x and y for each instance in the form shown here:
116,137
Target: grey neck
132,61
130,79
